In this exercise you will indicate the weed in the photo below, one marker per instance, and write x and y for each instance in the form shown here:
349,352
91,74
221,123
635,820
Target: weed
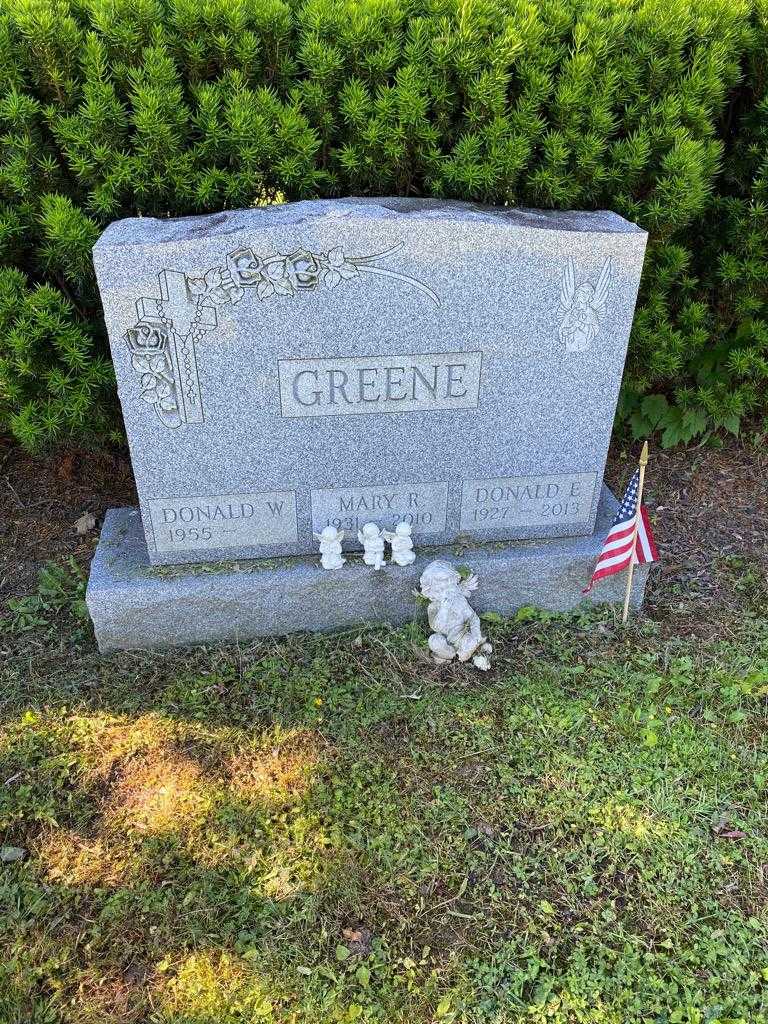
60,589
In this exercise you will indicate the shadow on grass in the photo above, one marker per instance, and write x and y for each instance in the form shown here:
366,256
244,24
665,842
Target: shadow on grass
331,829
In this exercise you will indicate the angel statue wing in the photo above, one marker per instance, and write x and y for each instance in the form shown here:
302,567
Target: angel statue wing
568,284
602,286
469,584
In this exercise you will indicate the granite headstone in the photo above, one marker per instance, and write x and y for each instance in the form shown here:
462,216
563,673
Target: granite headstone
340,362
322,363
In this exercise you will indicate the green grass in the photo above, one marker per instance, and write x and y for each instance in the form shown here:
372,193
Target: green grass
330,830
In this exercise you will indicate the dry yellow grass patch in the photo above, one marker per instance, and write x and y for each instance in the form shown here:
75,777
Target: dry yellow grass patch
279,774
106,741
73,859
159,792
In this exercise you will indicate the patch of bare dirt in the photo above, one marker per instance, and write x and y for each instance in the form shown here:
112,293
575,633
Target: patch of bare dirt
43,501
709,509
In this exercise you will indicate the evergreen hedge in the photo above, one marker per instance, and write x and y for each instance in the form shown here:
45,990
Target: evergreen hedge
654,108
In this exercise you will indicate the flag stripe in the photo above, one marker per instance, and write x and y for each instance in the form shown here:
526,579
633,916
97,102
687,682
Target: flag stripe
648,534
601,573
619,542
630,538
612,549
643,553
616,559
622,530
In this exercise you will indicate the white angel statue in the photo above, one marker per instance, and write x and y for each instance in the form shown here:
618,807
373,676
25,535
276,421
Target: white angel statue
372,539
402,544
330,547
582,306
454,623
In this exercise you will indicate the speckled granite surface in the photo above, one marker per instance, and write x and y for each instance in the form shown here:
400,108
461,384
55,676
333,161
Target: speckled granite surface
134,605
352,360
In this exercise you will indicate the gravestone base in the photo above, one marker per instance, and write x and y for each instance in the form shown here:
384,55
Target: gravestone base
134,605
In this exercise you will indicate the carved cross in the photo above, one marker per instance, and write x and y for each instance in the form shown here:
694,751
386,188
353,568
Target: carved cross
186,320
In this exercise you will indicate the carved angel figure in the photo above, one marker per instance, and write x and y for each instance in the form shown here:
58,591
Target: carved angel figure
582,306
455,625
402,544
330,547
372,539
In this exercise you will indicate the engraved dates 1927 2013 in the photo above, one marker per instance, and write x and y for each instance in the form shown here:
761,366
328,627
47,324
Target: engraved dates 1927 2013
506,503
545,510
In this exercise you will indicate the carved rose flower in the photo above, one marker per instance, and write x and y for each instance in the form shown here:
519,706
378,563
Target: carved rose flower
304,269
146,339
244,266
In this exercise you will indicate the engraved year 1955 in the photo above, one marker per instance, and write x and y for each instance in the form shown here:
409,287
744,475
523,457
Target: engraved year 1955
224,521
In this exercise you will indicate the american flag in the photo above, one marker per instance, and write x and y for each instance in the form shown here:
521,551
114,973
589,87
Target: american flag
623,539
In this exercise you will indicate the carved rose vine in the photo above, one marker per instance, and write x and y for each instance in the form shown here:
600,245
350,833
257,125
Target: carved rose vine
281,275
300,270
150,357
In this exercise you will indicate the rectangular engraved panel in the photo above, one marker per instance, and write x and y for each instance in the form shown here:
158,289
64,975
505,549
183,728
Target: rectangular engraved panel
363,385
423,505
224,521
524,501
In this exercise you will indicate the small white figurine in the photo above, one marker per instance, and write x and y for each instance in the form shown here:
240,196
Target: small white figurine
330,547
372,539
402,544
454,623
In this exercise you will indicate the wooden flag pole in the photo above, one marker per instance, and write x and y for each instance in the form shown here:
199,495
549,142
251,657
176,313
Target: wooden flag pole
638,513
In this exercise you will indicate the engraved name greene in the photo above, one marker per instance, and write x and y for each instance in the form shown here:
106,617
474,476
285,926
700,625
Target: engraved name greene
386,383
